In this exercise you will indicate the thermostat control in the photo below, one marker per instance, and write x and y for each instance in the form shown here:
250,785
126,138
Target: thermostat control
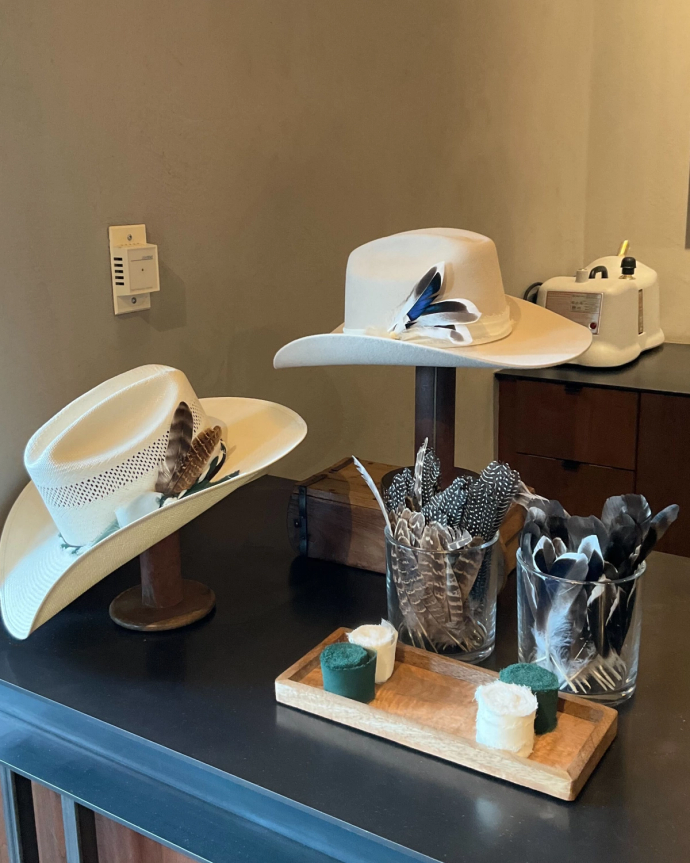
134,268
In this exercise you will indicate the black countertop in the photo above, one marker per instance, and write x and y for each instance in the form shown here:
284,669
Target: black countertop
665,369
178,734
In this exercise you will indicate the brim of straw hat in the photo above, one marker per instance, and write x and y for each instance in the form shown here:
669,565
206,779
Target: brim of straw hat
39,576
539,339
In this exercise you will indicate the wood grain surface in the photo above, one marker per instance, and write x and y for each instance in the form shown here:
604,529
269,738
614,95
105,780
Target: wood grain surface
49,830
663,468
116,843
428,705
581,488
593,425
344,522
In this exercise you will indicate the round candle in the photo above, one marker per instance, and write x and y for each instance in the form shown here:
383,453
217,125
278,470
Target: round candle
381,638
505,717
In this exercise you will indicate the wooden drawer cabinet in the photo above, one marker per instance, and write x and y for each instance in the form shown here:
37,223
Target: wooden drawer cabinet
581,488
582,424
581,443
663,464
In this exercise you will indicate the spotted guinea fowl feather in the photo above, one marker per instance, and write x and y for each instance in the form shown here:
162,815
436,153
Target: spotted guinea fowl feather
399,490
451,502
419,473
431,471
179,443
506,485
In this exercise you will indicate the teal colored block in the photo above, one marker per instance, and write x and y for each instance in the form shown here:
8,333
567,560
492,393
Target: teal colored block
349,670
544,684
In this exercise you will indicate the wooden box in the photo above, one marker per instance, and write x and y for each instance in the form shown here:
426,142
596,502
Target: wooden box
333,516
428,705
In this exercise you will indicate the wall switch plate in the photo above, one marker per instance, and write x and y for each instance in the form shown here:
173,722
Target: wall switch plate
134,268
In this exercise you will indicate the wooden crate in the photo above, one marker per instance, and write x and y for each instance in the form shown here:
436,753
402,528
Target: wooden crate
333,516
428,705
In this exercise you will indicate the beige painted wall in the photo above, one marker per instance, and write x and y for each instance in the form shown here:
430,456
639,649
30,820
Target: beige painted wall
260,141
639,149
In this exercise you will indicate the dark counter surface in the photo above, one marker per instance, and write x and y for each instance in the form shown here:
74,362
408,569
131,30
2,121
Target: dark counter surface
665,369
178,734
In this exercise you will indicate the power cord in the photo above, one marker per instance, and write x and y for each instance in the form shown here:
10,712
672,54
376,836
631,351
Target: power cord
531,293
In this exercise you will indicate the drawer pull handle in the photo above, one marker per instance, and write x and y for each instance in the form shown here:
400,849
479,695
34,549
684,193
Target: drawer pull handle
569,464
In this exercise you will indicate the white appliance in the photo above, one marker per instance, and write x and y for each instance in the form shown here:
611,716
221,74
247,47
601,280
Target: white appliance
617,298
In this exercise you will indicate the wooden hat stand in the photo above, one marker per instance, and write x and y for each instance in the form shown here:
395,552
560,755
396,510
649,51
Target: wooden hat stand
163,600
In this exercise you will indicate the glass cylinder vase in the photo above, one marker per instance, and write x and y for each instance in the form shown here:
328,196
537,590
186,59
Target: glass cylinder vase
586,632
444,601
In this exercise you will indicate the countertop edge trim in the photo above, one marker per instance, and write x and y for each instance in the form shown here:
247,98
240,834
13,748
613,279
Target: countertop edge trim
46,721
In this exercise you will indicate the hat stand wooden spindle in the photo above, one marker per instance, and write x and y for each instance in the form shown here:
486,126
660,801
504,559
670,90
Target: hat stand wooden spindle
434,415
434,418
163,600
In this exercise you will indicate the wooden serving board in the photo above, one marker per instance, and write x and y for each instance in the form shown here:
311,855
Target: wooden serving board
428,704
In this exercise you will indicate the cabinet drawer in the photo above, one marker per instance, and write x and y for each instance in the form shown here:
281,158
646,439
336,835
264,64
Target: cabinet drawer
584,424
581,488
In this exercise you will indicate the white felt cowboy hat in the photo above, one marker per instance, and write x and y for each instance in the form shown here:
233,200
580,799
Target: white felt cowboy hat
435,297
119,469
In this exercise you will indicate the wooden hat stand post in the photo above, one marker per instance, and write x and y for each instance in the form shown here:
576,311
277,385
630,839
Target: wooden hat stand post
163,600
434,416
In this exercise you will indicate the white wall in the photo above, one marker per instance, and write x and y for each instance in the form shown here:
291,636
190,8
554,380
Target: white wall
260,141
639,146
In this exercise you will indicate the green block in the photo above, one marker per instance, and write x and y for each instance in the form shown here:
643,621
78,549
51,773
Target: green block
349,670
544,684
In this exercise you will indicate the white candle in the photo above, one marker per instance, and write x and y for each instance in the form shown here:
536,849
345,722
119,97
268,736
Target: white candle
505,717
382,638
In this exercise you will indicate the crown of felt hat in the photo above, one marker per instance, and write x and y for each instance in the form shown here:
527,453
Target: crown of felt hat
435,297
103,451
382,276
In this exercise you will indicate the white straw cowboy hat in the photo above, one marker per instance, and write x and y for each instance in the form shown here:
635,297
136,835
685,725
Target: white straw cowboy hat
435,297
118,470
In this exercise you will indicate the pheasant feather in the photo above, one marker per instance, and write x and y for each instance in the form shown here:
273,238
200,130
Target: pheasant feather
199,455
179,443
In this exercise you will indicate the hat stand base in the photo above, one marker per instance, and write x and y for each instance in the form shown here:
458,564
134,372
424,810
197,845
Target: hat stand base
163,600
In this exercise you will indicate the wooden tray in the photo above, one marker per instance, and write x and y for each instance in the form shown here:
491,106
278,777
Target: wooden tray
428,704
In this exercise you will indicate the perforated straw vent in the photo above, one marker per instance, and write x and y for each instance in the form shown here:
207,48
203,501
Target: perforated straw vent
130,471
